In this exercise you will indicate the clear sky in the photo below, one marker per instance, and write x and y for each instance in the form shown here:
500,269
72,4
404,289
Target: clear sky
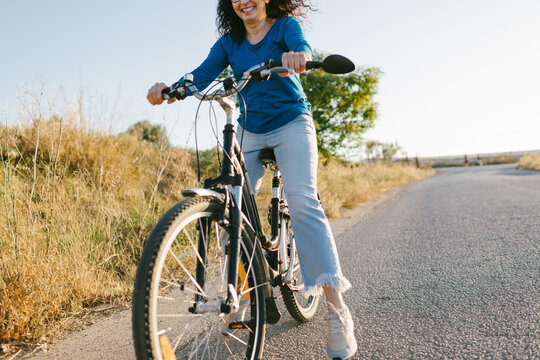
460,76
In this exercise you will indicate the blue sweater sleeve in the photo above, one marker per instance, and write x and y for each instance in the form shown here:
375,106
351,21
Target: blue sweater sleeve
212,66
294,36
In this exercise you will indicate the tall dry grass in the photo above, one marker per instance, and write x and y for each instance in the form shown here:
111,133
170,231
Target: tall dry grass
76,207
343,185
529,162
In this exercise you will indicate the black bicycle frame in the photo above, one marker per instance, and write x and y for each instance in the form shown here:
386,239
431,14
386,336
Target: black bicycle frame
234,173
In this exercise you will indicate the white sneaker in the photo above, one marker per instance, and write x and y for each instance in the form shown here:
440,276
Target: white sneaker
341,341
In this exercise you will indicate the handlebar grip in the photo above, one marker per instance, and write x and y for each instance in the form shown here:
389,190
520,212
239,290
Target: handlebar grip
165,93
173,92
333,64
309,65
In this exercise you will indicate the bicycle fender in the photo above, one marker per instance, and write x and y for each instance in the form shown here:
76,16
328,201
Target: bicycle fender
203,193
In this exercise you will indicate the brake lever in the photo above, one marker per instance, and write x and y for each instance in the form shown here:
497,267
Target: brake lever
278,70
175,91
264,74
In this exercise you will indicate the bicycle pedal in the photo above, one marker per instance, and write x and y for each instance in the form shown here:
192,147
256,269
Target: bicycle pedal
236,325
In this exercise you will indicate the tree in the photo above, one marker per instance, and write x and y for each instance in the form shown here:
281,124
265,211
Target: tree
371,149
145,131
342,105
389,150
384,151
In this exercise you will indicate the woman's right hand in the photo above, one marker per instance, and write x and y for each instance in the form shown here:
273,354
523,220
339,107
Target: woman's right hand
154,94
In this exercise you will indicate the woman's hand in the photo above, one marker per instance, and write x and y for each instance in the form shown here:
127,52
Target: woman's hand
295,60
154,94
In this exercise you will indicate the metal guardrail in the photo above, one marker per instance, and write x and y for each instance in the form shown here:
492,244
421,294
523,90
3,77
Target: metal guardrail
474,159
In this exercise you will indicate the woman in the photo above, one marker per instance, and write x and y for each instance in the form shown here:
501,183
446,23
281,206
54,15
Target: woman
279,117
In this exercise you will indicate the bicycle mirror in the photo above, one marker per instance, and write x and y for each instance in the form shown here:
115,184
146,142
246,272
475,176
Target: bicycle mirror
337,64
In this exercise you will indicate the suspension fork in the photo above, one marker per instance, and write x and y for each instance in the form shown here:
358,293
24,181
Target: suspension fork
235,215
203,226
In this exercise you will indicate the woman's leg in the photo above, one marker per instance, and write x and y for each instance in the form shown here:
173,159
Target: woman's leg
296,152
295,148
334,297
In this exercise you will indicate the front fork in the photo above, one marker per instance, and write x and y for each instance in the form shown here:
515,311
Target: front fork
234,242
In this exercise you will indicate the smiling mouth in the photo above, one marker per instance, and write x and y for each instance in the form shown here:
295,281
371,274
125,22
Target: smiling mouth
249,9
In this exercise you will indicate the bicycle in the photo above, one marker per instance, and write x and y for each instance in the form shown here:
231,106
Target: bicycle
204,284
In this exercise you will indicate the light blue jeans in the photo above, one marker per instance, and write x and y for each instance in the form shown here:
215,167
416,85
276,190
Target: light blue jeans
295,148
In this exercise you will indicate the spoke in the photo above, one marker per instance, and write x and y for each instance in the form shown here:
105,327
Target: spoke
208,337
235,337
173,284
177,342
207,248
192,347
201,342
194,292
217,351
187,272
161,332
253,288
179,315
249,267
247,327
165,298
227,346
168,271
193,246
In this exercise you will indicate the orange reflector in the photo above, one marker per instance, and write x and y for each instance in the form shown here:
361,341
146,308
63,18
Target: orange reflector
242,275
166,349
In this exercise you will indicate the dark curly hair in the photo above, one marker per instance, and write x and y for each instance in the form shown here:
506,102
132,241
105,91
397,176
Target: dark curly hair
229,23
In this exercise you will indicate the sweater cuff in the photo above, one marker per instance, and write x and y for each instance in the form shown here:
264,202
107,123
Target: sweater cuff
304,47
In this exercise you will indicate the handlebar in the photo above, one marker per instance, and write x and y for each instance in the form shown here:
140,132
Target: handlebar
334,64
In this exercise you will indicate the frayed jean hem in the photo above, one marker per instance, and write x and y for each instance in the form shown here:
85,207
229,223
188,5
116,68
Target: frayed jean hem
334,281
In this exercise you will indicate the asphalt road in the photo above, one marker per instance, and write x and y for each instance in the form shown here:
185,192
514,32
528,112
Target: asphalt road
448,267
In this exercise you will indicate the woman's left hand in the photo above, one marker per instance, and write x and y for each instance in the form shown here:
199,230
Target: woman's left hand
295,60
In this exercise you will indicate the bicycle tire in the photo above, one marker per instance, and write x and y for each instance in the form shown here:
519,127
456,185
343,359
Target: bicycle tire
301,309
165,288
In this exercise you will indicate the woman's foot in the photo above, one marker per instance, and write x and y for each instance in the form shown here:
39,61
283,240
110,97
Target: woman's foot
341,341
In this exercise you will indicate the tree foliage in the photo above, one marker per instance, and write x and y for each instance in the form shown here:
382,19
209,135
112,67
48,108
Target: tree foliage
377,150
145,131
343,107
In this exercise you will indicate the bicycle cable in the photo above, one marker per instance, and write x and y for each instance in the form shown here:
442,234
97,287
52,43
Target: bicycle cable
218,82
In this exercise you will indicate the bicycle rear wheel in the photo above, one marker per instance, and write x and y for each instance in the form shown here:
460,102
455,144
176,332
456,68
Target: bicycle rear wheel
182,268
302,309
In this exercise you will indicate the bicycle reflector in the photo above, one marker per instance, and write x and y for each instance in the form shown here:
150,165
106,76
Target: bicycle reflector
166,348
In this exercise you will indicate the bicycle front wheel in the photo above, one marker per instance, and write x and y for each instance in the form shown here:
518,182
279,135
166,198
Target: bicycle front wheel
181,283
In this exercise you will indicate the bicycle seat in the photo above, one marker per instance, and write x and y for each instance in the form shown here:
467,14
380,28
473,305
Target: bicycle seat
268,158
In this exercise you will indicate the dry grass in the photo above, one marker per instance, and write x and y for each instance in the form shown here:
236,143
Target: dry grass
74,215
76,207
345,185
529,162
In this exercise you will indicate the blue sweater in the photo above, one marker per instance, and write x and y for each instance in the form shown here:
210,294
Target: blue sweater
270,104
